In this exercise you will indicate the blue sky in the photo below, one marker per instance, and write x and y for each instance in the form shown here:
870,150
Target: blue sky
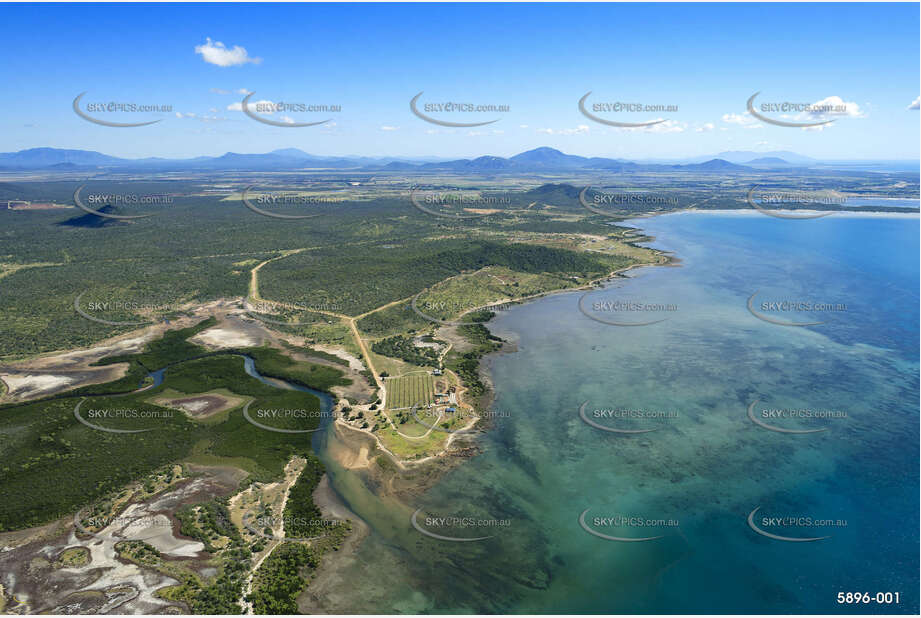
538,59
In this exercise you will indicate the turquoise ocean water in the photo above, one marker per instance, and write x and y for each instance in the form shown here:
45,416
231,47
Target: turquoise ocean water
693,481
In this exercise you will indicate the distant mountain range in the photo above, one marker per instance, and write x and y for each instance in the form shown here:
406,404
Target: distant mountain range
538,159
784,157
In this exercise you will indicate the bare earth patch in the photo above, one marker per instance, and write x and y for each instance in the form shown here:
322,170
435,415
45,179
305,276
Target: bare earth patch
23,386
33,569
226,338
200,406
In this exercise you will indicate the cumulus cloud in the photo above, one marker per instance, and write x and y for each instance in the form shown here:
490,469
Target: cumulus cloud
707,126
832,107
200,117
916,104
745,120
215,52
218,91
667,126
388,128
582,129
243,91
237,106
829,108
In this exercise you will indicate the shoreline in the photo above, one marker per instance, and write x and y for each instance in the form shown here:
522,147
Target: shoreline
331,506
907,214
353,454
412,477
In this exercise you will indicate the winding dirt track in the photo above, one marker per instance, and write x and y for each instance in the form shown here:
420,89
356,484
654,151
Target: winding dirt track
351,321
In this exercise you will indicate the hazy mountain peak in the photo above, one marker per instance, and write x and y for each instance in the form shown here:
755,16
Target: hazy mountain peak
292,152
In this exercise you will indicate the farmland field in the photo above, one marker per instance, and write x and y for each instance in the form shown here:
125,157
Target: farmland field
405,391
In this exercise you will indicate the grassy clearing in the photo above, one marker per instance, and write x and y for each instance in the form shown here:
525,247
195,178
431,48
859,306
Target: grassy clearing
450,299
413,449
392,366
394,320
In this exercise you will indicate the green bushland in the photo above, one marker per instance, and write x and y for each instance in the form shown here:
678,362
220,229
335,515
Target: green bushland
404,349
52,464
302,517
281,578
274,364
401,271
174,258
467,364
73,557
210,522
394,320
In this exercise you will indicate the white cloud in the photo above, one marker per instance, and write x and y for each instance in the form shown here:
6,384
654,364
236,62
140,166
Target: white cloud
218,91
916,104
388,128
522,126
836,107
707,126
201,117
829,108
243,91
667,126
582,129
287,119
237,106
213,110
745,120
215,52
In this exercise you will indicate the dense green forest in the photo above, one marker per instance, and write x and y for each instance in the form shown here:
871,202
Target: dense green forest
397,272
202,248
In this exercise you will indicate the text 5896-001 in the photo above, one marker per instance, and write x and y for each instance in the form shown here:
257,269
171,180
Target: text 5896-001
865,598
